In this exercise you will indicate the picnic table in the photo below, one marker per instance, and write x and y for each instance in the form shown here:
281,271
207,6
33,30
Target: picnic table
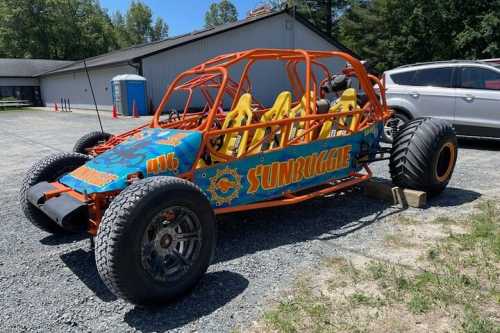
14,103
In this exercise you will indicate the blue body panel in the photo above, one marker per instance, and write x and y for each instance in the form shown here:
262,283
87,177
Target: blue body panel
153,151
269,175
259,177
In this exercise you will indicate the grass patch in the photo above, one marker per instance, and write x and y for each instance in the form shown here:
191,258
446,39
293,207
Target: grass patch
459,288
397,241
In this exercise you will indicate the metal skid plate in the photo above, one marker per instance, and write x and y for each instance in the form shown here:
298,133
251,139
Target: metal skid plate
68,212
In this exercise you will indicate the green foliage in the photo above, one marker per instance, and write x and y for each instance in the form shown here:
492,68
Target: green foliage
324,14
71,29
390,33
220,13
54,29
139,25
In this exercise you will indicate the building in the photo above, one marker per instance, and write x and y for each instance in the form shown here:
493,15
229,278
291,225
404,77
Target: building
19,77
159,62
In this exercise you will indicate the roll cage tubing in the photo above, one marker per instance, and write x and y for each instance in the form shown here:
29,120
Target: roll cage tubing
219,67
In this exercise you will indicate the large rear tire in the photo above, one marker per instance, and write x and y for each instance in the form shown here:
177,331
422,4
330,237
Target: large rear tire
90,140
156,240
423,156
49,170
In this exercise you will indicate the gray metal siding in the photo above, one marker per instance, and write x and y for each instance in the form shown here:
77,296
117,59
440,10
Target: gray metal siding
18,82
268,79
75,86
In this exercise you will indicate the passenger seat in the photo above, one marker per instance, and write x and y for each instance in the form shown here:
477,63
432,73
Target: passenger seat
281,107
346,102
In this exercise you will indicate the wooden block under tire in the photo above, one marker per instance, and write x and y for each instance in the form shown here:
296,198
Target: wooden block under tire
384,190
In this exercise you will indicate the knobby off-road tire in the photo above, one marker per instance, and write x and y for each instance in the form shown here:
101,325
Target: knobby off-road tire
48,169
90,140
134,247
423,155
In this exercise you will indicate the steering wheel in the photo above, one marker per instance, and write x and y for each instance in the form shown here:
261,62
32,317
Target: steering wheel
215,142
173,113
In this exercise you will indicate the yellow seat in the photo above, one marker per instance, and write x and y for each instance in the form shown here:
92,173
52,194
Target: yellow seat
235,143
281,107
346,102
298,127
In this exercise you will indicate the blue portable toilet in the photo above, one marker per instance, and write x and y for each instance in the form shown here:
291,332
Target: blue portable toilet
127,89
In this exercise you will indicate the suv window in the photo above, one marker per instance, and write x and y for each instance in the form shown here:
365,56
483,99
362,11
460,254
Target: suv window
435,77
405,78
479,78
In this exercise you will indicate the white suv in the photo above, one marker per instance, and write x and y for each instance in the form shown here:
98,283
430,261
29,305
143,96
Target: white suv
465,93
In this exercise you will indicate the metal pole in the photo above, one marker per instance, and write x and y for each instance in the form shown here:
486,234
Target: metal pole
93,96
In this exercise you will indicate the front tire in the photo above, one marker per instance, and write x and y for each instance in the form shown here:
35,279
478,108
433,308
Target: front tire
423,155
156,240
49,170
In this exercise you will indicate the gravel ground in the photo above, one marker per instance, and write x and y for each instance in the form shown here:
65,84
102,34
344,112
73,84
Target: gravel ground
51,284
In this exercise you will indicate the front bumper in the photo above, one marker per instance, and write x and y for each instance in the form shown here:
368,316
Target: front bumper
67,211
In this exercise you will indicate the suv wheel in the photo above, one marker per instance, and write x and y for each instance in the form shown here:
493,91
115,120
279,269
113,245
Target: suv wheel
394,124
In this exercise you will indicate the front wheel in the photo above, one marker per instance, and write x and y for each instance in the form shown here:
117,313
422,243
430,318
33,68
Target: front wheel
423,155
156,240
49,169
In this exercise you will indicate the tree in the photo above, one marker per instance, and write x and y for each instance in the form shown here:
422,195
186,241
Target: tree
220,13
120,30
71,29
160,30
321,13
390,33
54,29
138,24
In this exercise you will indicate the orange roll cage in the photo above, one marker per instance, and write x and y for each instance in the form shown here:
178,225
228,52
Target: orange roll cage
214,74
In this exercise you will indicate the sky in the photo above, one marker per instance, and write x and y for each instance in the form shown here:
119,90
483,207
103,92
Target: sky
182,16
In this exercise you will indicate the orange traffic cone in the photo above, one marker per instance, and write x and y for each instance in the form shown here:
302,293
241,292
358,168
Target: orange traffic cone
135,114
55,108
114,114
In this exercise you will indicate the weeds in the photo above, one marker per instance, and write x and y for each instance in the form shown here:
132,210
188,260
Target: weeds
460,282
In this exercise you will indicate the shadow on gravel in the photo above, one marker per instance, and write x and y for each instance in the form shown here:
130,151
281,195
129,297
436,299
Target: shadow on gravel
59,239
452,197
330,217
325,218
480,144
82,264
214,291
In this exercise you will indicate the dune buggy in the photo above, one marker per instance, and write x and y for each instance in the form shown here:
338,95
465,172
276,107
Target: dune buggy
150,195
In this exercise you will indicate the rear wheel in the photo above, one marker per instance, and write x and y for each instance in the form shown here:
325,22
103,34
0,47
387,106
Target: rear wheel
423,156
155,240
49,170
90,140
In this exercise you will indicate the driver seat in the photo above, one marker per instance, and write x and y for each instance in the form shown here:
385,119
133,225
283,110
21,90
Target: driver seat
235,143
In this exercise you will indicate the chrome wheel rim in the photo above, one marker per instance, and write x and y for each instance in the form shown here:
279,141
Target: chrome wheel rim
171,244
389,125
